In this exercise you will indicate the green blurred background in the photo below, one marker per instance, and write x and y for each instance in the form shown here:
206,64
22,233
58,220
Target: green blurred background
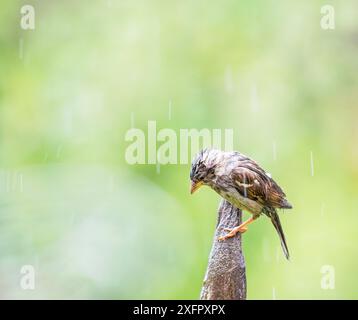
94,226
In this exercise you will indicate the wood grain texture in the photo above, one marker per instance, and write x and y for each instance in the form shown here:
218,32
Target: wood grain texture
225,277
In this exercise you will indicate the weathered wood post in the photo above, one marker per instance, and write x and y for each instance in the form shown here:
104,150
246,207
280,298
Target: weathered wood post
225,276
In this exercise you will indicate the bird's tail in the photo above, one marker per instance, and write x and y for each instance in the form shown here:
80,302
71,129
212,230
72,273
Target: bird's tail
277,224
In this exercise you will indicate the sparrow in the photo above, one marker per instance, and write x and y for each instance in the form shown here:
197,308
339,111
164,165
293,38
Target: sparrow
242,182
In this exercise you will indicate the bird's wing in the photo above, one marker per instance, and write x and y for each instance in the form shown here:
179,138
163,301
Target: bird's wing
254,183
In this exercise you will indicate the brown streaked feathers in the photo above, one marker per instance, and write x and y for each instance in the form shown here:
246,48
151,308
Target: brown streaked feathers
258,185
242,182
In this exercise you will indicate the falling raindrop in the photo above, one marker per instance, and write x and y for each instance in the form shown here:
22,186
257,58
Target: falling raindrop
278,253
132,119
322,209
265,250
14,181
21,182
312,165
229,83
21,48
8,182
274,150
111,184
72,219
254,98
58,153
170,110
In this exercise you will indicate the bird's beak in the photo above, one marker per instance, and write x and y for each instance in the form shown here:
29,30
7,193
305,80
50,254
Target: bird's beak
195,186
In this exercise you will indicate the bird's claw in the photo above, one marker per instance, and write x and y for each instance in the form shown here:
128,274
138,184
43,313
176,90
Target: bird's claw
222,238
243,230
236,230
232,233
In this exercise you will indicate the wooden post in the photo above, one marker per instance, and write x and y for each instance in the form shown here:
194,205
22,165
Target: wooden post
225,277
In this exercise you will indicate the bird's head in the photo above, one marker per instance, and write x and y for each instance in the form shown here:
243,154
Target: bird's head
203,168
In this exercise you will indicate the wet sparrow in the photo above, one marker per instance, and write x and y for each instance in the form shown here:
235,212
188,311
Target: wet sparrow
243,183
